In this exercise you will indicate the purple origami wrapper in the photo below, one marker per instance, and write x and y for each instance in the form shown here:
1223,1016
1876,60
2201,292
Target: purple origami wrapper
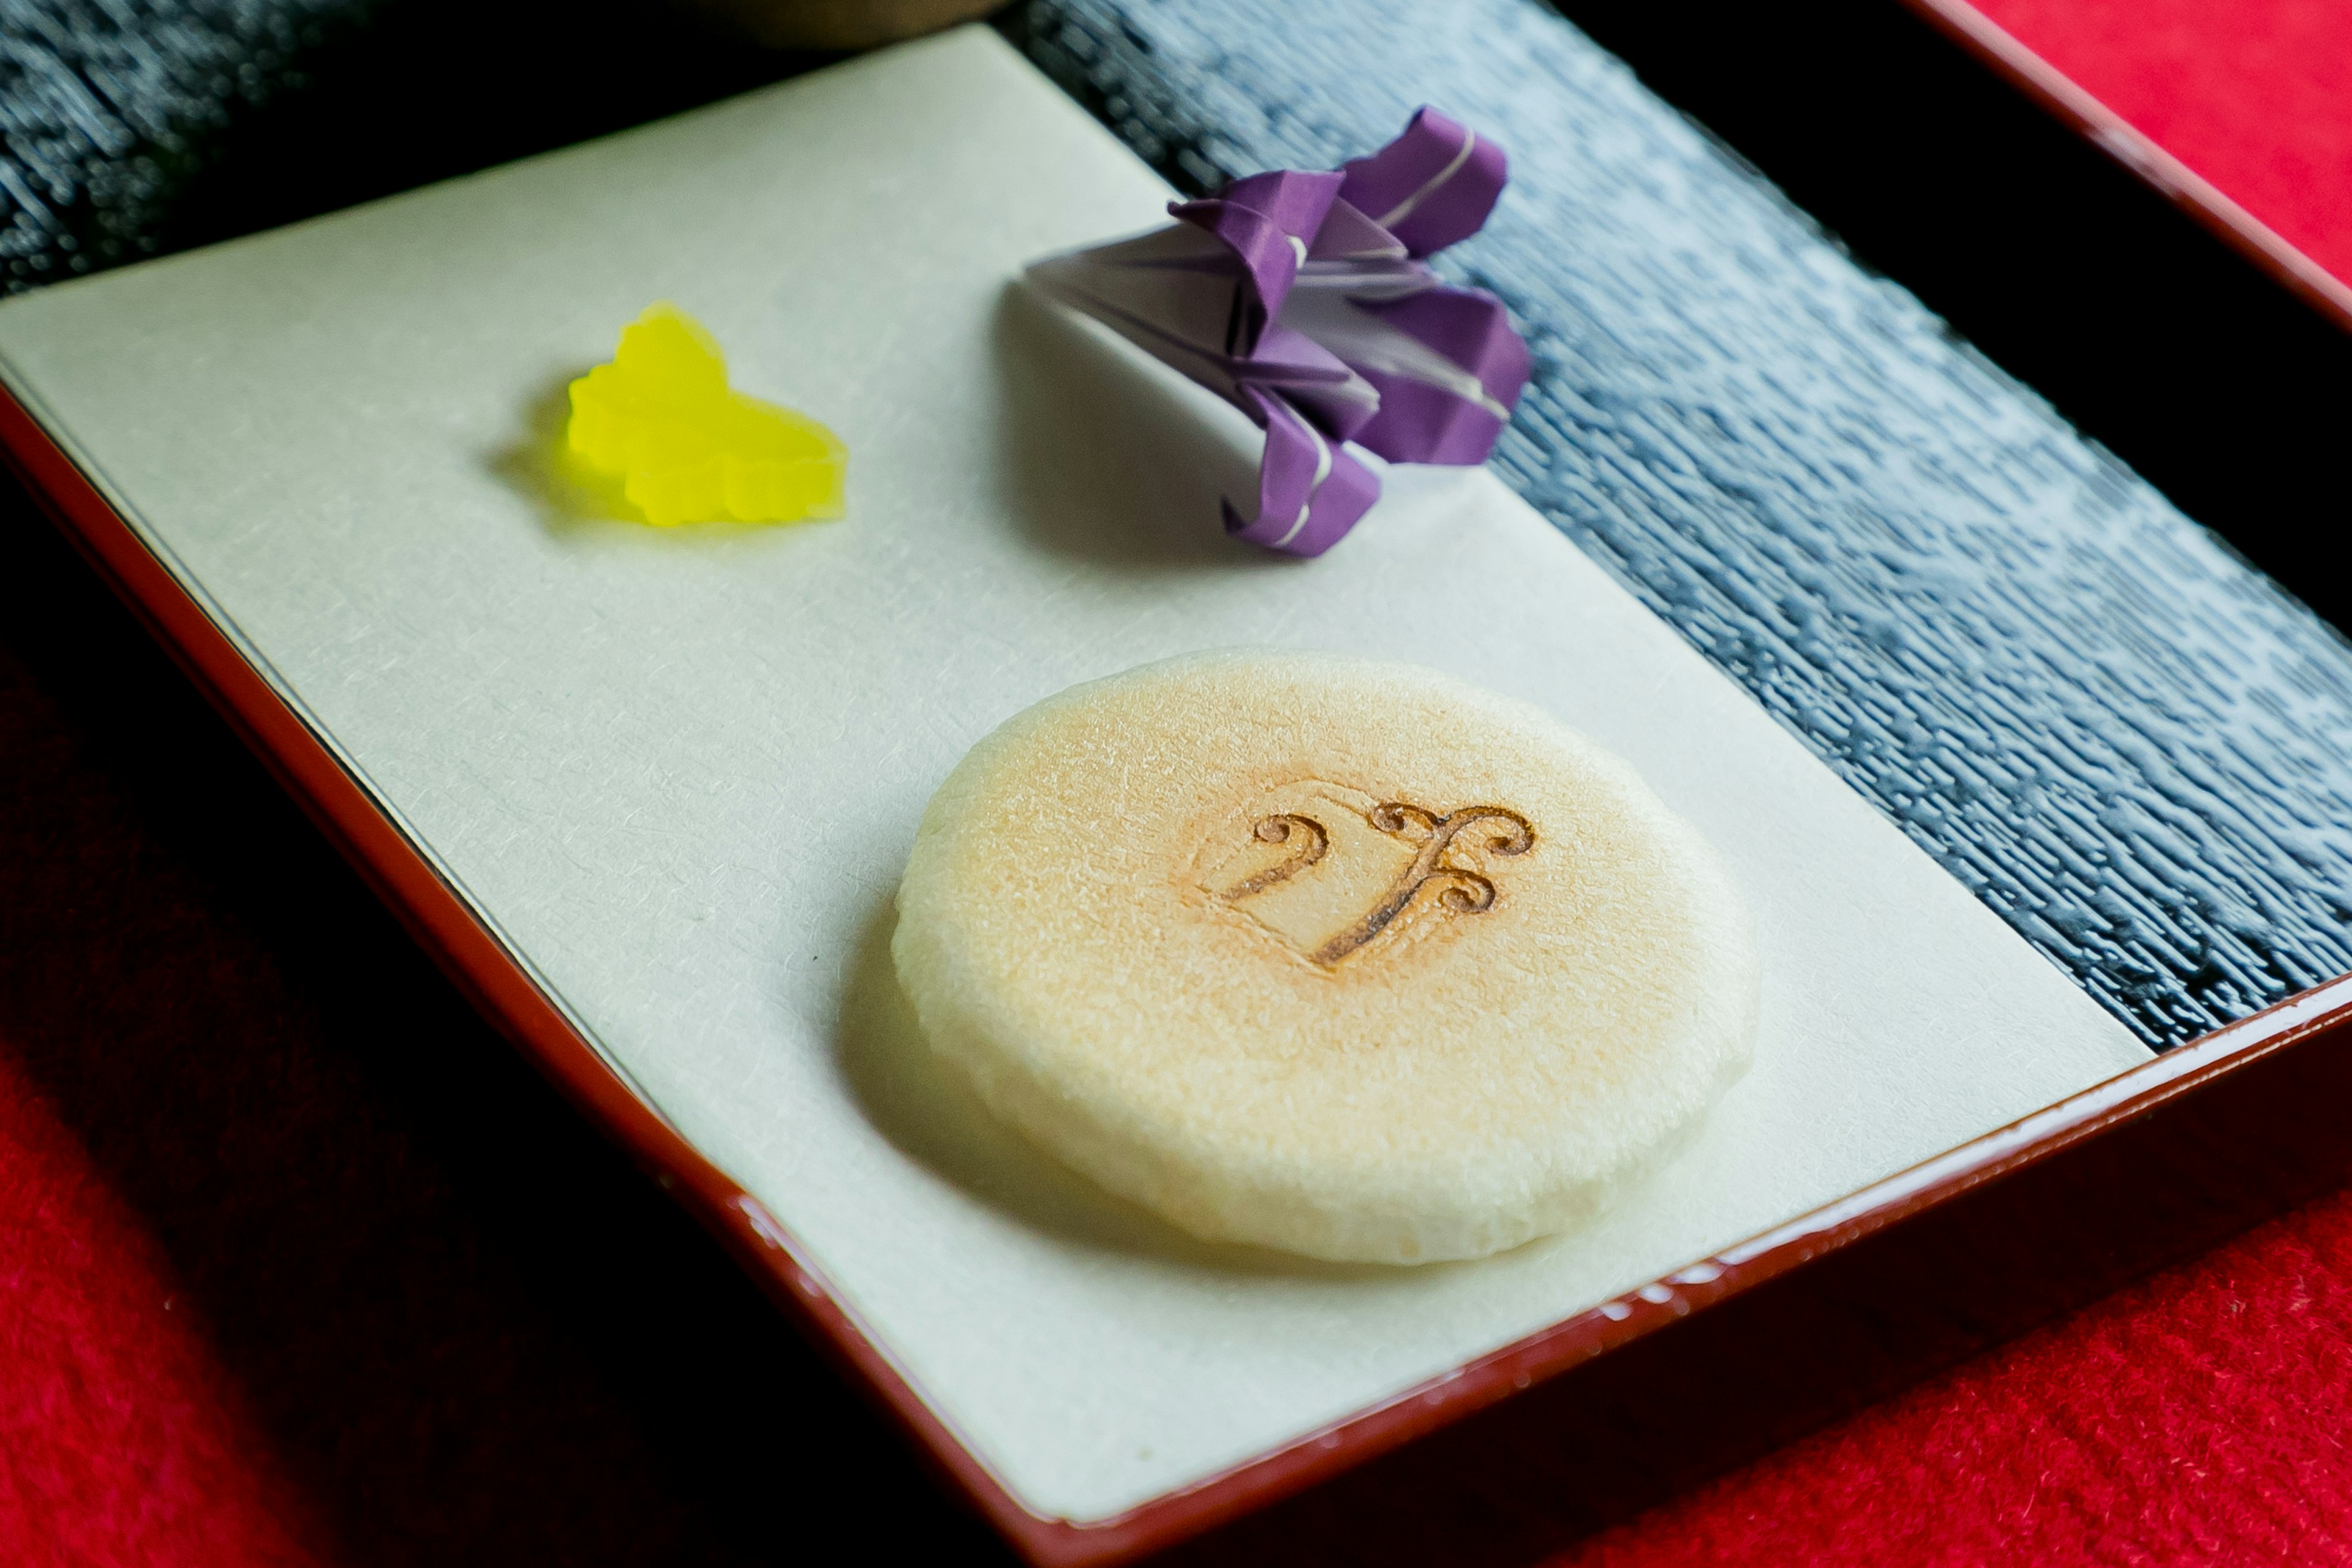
1303,300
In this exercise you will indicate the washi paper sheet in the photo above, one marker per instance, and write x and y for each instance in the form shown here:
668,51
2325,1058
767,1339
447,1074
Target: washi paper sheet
677,771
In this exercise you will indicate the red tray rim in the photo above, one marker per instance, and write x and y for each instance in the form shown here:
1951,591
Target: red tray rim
2074,106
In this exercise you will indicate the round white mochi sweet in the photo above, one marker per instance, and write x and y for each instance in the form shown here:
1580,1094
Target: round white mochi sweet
1326,953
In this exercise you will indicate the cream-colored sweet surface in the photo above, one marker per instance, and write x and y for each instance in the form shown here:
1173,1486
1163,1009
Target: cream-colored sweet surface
680,771
1557,992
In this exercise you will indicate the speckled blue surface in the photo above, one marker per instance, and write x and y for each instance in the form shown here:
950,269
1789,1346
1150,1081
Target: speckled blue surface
106,107
2133,747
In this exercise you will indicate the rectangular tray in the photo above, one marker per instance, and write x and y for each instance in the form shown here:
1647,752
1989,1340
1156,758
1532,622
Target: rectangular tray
1763,1335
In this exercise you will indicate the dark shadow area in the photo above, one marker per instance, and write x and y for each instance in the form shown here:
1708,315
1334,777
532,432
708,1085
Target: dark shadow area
404,92
935,1120
1111,457
475,1333
537,465
2157,339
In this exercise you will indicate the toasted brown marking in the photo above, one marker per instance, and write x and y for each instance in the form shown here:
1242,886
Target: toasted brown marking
1460,889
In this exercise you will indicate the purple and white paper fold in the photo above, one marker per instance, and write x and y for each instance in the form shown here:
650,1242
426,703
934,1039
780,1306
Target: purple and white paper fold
1303,300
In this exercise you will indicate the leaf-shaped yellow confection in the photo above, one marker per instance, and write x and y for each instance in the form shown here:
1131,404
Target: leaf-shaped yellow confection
688,448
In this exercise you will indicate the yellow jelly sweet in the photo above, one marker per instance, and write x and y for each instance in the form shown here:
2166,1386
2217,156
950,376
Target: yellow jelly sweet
661,417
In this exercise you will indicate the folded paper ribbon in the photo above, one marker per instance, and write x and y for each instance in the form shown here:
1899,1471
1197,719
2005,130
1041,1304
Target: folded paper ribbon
1303,300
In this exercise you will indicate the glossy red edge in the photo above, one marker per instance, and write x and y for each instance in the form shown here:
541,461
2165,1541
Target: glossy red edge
2061,96
440,920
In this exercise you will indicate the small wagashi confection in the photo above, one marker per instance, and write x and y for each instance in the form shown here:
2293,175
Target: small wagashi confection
687,447
1323,953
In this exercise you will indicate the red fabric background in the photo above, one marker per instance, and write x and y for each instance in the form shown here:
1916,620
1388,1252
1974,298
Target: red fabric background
296,1266
2255,94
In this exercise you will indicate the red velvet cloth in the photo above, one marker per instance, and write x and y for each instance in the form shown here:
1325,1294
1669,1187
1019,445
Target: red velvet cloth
2197,1417
296,1267
2255,94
